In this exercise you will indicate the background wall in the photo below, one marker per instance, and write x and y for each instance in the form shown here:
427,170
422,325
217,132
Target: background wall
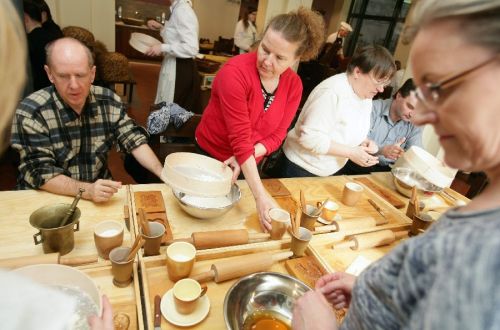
98,16
216,18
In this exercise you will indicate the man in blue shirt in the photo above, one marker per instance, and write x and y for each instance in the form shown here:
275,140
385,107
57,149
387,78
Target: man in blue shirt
391,130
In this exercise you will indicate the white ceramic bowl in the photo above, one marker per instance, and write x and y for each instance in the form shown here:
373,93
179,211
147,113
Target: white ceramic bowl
142,42
63,276
196,175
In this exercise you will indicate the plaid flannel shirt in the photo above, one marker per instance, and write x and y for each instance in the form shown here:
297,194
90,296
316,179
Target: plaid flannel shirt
53,139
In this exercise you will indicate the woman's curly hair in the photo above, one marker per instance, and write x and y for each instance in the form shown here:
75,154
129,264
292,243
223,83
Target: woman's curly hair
303,26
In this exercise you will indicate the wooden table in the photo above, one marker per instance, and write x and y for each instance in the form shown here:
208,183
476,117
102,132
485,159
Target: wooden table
16,237
16,233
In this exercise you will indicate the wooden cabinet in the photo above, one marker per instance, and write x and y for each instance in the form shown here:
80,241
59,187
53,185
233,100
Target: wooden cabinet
122,36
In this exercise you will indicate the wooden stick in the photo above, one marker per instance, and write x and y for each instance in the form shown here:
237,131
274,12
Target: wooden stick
136,242
133,251
302,201
143,222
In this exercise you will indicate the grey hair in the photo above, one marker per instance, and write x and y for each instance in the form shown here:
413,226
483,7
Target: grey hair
49,47
478,20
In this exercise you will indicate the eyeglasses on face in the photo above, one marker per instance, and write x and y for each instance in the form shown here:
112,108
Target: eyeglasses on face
430,93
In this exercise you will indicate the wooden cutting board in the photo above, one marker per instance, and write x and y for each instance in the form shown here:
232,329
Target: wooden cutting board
305,269
382,192
288,203
150,201
275,187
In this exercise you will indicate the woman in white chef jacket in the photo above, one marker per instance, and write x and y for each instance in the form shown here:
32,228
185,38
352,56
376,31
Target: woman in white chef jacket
179,81
245,33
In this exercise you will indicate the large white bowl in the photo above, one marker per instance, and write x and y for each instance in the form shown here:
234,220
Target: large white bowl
196,175
142,42
65,276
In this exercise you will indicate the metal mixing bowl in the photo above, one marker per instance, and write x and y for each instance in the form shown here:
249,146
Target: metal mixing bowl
260,292
200,207
406,178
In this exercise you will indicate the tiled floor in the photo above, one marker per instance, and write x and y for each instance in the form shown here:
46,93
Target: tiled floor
146,77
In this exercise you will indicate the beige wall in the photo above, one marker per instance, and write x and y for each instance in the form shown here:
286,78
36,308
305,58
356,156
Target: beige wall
98,16
216,18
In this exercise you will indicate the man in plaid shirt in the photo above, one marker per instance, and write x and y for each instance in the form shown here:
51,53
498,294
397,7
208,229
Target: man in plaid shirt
63,132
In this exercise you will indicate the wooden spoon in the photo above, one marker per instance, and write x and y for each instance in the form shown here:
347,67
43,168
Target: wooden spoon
302,201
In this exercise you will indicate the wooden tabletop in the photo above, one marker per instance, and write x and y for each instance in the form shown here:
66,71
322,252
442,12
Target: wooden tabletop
16,235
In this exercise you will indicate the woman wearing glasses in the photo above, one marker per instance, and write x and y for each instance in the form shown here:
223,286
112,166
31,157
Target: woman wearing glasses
335,119
446,278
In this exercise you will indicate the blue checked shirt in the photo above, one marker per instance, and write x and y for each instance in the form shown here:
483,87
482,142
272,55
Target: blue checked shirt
52,139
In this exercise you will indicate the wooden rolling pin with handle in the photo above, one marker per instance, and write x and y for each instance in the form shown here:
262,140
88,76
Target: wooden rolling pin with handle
350,224
221,238
244,265
371,240
49,258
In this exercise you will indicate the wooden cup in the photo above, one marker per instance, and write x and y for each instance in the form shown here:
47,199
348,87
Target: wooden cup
329,210
280,220
180,260
352,193
153,241
299,243
187,293
308,218
107,236
121,268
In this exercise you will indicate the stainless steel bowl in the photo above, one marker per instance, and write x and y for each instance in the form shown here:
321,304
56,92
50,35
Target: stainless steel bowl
262,292
406,178
206,207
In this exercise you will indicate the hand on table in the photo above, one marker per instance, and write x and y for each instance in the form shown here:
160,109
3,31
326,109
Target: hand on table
105,322
337,288
233,164
362,157
312,312
154,50
102,190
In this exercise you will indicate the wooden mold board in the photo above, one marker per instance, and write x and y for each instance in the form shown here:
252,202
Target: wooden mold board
155,281
125,300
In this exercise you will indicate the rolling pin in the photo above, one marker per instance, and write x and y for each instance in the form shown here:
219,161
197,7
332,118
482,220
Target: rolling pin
221,238
371,240
241,266
350,224
49,258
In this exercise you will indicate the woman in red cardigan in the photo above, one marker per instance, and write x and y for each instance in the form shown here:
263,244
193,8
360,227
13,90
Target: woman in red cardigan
255,97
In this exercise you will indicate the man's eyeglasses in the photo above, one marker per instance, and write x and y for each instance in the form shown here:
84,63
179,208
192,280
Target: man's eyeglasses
430,93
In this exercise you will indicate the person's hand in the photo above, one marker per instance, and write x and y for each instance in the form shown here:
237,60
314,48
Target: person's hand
105,322
154,50
102,190
370,146
154,25
360,156
337,288
393,151
264,203
233,164
312,312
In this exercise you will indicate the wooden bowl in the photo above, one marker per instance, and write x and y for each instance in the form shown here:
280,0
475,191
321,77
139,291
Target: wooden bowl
196,175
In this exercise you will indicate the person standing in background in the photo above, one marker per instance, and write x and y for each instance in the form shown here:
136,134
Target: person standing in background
38,38
333,51
245,33
47,22
179,81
